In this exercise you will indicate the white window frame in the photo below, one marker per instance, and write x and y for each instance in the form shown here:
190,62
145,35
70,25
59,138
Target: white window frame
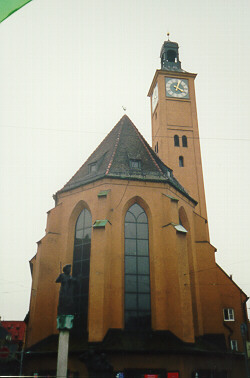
234,345
230,314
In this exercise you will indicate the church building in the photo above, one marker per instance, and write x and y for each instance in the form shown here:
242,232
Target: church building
150,299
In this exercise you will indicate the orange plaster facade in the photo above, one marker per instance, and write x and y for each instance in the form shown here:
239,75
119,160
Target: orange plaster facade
188,289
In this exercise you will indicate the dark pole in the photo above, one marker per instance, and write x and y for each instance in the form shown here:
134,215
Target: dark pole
21,362
243,329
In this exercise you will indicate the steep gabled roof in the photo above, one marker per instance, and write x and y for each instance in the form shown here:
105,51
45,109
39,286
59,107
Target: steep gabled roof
117,156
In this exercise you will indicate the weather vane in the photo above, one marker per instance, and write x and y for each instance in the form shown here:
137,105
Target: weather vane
124,108
168,35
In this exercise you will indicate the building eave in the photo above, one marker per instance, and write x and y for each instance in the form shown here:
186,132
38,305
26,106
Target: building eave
131,177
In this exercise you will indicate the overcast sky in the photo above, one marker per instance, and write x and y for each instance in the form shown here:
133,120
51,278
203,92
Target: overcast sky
66,70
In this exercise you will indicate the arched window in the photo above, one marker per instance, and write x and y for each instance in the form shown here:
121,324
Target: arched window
176,141
81,259
137,277
181,161
171,56
184,141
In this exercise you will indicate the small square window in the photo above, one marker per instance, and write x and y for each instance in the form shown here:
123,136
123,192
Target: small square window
135,163
228,314
92,167
234,345
156,148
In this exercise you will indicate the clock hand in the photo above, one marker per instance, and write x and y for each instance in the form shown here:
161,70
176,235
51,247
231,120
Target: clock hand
177,88
178,85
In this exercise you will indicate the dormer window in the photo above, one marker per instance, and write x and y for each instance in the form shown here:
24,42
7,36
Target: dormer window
92,167
135,163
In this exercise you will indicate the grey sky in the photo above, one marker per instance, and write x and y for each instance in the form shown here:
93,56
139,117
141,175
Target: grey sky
66,70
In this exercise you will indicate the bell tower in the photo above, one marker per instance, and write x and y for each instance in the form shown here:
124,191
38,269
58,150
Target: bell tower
175,134
170,56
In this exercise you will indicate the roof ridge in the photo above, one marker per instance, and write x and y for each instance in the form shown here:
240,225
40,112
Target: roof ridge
143,140
92,153
115,146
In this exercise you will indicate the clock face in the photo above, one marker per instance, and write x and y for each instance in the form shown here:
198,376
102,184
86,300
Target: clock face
176,87
154,98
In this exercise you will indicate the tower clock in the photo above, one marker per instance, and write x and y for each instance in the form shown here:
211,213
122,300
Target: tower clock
174,123
155,97
176,87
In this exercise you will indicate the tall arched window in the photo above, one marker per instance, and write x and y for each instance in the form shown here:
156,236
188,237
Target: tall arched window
176,141
184,141
137,277
81,259
181,161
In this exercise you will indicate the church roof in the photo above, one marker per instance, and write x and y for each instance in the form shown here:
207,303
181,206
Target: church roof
124,154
